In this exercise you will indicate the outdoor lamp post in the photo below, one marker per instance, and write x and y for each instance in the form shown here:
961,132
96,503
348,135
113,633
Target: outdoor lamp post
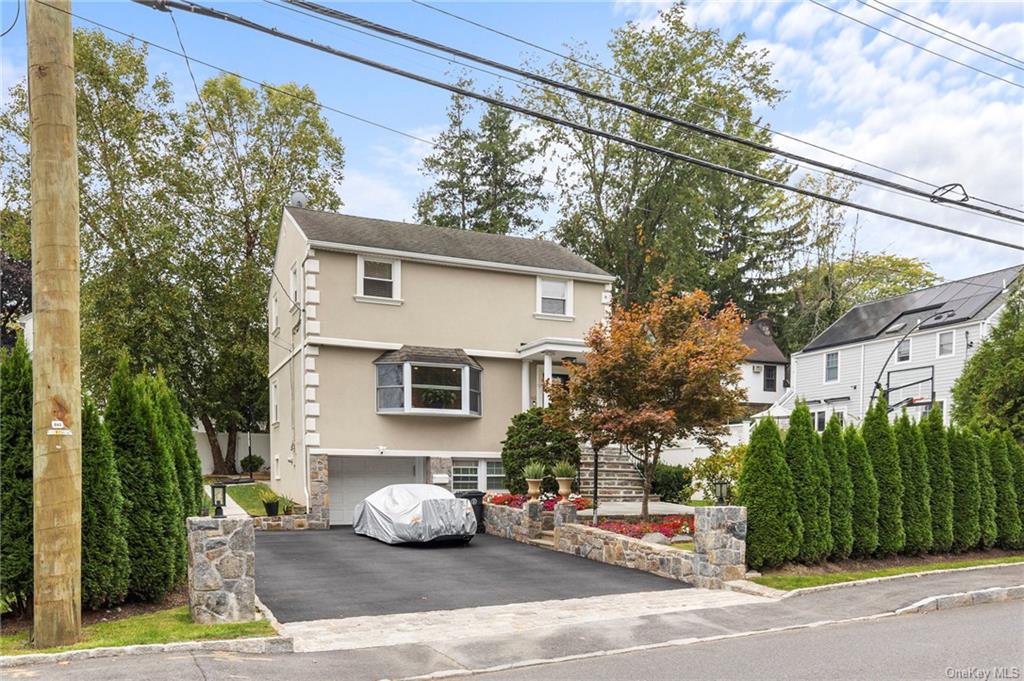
721,491
218,492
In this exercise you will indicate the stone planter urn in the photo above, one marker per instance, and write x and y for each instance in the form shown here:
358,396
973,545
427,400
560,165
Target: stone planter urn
564,487
533,487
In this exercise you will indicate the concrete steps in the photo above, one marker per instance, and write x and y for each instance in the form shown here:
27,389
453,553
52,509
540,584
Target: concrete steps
546,539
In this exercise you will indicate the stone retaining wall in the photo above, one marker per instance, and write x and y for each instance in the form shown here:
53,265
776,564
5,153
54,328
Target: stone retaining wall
519,524
221,570
270,523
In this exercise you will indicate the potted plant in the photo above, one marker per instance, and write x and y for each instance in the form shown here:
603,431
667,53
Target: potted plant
534,473
270,500
565,473
286,505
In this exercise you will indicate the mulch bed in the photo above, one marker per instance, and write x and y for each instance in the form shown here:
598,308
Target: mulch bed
12,623
855,565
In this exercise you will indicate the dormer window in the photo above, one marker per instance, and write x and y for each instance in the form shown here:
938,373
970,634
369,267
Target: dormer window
378,280
554,298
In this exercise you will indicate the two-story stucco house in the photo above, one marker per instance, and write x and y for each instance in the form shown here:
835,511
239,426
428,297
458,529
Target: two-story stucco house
915,345
400,352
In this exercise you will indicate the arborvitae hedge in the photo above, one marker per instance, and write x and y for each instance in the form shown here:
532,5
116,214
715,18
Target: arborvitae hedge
192,455
529,438
865,494
841,502
940,480
966,499
917,519
810,483
170,422
765,487
1008,527
105,566
987,495
885,460
16,475
1015,452
144,484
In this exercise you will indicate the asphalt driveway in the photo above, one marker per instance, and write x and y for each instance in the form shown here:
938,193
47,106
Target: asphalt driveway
336,573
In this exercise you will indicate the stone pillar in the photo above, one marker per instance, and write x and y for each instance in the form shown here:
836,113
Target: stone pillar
533,524
720,544
441,465
221,570
565,513
319,510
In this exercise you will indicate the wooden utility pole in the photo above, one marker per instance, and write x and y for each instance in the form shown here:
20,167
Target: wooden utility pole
56,349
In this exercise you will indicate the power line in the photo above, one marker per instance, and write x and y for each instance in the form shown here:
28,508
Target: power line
625,79
17,15
163,5
939,35
946,30
913,44
665,118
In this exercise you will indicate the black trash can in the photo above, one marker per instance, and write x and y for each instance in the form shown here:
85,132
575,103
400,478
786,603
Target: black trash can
476,498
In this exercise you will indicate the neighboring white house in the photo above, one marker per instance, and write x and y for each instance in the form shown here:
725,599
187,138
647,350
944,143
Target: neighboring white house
914,345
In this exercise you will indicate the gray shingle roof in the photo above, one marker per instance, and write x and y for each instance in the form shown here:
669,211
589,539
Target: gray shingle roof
439,241
951,303
758,338
420,353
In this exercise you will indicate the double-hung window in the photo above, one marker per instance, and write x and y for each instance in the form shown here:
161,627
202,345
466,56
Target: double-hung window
832,367
820,420
293,284
426,388
275,416
770,378
554,297
945,344
903,351
378,280
275,315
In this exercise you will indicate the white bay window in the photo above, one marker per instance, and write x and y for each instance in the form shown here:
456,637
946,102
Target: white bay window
408,383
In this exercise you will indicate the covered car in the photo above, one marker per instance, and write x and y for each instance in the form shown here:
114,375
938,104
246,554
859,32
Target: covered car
399,514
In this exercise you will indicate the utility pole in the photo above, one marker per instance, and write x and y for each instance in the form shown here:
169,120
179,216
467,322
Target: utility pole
56,348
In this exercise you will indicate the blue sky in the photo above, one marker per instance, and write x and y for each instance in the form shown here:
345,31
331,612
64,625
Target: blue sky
850,88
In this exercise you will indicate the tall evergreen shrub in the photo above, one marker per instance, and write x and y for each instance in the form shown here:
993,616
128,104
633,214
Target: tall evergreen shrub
16,475
765,487
169,422
151,548
530,438
917,520
940,480
865,494
841,498
885,460
966,499
1015,452
105,566
987,492
1008,527
192,456
811,483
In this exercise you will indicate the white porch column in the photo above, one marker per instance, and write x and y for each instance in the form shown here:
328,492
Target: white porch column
526,384
547,374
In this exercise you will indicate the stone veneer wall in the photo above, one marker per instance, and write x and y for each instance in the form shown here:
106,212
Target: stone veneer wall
221,570
298,521
318,516
520,524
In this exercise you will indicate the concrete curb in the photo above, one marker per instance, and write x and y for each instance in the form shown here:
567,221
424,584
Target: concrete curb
873,580
255,646
745,586
995,594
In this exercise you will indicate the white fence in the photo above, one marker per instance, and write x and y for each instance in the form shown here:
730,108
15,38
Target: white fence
260,447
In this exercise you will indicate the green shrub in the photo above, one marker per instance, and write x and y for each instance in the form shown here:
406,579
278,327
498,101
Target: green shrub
672,483
535,470
724,464
987,493
885,462
811,483
1008,527
252,463
529,438
16,475
765,487
917,518
966,500
563,469
105,565
940,480
865,494
167,413
192,456
841,502
1015,452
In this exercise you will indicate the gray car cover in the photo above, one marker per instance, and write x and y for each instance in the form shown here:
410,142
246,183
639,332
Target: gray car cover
413,513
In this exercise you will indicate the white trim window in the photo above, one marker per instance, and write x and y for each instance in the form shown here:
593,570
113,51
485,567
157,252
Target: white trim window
275,410
429,388
771,373
554,298
275,315
903,351
486,475
832,367
293,284
945,344
378,280
820,420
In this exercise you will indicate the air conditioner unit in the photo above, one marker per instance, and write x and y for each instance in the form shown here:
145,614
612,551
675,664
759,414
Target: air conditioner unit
757,368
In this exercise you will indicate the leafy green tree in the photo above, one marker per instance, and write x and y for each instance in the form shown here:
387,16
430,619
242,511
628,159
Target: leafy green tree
450,201
1008,525
841,494
990,389
987,492
530,438
885,462
917,519
811,482
105,562
774,527
16,474
865,494
966,496
940,480
723,464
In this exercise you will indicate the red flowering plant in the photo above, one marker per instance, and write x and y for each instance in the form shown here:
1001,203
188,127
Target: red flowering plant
511,500
581,502
669,526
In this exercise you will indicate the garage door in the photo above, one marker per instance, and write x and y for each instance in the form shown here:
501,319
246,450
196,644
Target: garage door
352,478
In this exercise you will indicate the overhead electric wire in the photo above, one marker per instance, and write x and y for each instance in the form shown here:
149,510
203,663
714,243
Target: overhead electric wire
17,15
946,30
201,10
665,118
939,35
913,44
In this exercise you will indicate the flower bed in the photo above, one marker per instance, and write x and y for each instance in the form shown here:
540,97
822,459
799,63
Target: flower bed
549,501
669,526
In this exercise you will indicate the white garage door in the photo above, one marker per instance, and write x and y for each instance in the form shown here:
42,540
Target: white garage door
352,478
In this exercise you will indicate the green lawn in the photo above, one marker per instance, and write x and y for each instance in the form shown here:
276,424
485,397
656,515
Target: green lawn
684,545
248,497
700,502
790,582
164,626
